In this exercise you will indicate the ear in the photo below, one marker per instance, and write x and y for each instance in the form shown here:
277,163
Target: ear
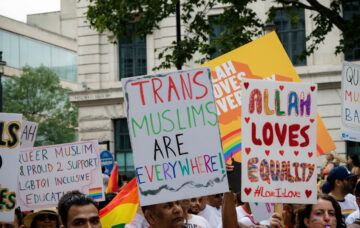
306,222
338,182
150,217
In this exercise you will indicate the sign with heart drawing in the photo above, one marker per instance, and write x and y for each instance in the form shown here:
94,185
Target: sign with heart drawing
279,142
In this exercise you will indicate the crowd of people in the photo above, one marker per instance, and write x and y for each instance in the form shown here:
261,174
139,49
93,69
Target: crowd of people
337,207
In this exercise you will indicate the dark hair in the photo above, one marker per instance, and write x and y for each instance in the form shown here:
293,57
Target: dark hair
357,190
33,223
355,159
69,199
19,216
306,210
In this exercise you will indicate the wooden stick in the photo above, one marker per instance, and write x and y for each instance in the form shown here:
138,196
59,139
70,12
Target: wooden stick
278,208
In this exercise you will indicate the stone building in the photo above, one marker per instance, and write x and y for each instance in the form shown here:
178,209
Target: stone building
101,65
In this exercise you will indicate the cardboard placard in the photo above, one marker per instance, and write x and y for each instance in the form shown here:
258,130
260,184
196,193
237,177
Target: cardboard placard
279,142
175,136
261,211
350,105
28,134
10,126
264,58
46,173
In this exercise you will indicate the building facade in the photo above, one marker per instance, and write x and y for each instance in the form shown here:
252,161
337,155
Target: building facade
22,44
101,65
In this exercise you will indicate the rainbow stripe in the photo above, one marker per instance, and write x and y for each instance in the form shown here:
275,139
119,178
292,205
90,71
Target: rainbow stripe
347,212
95,193
316,221
357,221
231,144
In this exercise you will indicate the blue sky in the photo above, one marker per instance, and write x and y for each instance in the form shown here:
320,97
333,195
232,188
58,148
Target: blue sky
18,9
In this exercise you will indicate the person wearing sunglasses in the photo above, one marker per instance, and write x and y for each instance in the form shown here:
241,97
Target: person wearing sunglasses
42,219
212,211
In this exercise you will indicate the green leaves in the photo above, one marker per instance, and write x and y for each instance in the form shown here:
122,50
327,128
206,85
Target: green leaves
239,17
38,95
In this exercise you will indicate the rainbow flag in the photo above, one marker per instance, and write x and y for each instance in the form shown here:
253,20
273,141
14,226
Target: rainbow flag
113,181
121,210
95,193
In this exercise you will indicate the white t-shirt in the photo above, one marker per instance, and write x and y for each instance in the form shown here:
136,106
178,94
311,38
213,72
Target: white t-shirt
349,205
212,215
351,218
244,217
138,221
197,221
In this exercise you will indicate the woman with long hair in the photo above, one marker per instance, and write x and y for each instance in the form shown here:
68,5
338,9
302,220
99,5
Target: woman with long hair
325,213
354,163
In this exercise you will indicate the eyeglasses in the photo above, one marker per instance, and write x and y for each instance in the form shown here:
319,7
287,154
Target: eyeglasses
43,217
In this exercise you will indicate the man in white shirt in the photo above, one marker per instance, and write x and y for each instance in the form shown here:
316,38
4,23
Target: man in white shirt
212,211
356,214
339,185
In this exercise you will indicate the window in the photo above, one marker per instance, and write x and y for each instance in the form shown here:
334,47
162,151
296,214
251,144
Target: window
352,147
350,9
132,56
19,51
292,36
123,152
217,30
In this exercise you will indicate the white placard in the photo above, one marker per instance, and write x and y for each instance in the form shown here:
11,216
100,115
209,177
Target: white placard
47,173
350,102
10,126
261,211
279,142
28,134
175,136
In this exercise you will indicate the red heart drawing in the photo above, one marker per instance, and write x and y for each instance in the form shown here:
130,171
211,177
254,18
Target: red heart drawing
312,120
247,150
246,84
247,119
310,154
281,87
281,152
296,152
248,190
312,88
267,152
308,193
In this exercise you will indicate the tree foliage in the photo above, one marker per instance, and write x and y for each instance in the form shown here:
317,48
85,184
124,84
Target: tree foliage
38,95
242,24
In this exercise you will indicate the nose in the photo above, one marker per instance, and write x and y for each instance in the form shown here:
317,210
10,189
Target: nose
326,217
177,209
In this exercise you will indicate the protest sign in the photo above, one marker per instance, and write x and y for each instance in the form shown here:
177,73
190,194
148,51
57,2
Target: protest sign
28,134
264,58
46,173
10,126
350,105
175,136
279,141
261,211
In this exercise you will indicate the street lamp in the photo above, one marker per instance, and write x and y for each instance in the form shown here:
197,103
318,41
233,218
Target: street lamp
2,64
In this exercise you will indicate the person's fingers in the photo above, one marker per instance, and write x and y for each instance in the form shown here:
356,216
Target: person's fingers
229,167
